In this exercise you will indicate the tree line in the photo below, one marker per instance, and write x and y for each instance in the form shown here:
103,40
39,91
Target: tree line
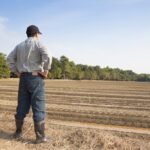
63,68
4,70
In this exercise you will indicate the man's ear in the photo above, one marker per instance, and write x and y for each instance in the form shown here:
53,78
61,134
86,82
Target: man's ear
37,35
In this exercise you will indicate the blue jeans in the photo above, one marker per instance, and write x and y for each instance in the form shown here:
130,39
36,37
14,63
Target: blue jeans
31,93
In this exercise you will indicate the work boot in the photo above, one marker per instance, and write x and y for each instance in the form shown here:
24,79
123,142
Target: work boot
39,128
18,133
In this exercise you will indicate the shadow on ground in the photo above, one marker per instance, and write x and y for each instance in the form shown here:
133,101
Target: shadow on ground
9,137
5,135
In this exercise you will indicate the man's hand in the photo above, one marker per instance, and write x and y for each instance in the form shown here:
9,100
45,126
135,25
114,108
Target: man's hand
14,74
18,74
44,74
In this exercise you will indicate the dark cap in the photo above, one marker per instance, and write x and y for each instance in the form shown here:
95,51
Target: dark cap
32,30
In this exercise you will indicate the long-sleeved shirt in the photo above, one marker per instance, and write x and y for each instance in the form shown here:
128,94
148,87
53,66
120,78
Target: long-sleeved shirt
28,56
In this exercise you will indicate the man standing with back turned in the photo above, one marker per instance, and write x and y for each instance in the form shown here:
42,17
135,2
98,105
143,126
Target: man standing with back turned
30,61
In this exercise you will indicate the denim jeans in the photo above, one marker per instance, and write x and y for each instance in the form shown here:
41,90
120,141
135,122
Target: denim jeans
31,93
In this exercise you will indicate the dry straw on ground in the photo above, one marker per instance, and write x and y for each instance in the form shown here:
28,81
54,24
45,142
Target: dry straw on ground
99,102
65,138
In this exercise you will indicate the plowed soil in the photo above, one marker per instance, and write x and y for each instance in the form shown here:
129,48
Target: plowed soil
82,115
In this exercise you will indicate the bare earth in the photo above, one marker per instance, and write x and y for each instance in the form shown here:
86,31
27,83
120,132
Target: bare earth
82,115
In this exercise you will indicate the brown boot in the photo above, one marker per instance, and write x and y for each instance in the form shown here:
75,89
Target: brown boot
18,133
39,128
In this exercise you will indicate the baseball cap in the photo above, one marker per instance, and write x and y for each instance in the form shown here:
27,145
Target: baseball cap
32,29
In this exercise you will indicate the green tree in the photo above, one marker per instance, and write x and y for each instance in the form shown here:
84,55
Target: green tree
56,71
143,77
98,72
65,66
79,74
73,70
65,69
4,69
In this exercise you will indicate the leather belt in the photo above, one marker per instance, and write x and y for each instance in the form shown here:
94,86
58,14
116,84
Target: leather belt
30,73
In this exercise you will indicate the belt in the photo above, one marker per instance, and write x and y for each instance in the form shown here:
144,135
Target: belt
30,73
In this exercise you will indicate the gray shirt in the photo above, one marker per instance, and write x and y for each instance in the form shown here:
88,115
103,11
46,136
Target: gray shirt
29,56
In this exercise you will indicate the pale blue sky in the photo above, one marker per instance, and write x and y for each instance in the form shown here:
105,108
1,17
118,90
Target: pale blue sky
114,33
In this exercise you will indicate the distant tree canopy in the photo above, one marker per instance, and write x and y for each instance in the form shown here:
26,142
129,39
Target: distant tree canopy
4,70
63,68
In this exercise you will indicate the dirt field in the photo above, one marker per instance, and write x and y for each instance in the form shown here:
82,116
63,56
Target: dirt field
82,115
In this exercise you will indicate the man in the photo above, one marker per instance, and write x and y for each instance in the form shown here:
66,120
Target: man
30,61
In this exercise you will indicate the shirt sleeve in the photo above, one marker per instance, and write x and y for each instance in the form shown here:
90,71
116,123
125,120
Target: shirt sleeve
11,60
46,57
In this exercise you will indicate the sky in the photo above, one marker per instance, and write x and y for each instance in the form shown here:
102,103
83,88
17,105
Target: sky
114,33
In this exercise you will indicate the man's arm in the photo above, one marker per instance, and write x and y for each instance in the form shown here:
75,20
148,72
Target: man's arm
11,60
46,60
